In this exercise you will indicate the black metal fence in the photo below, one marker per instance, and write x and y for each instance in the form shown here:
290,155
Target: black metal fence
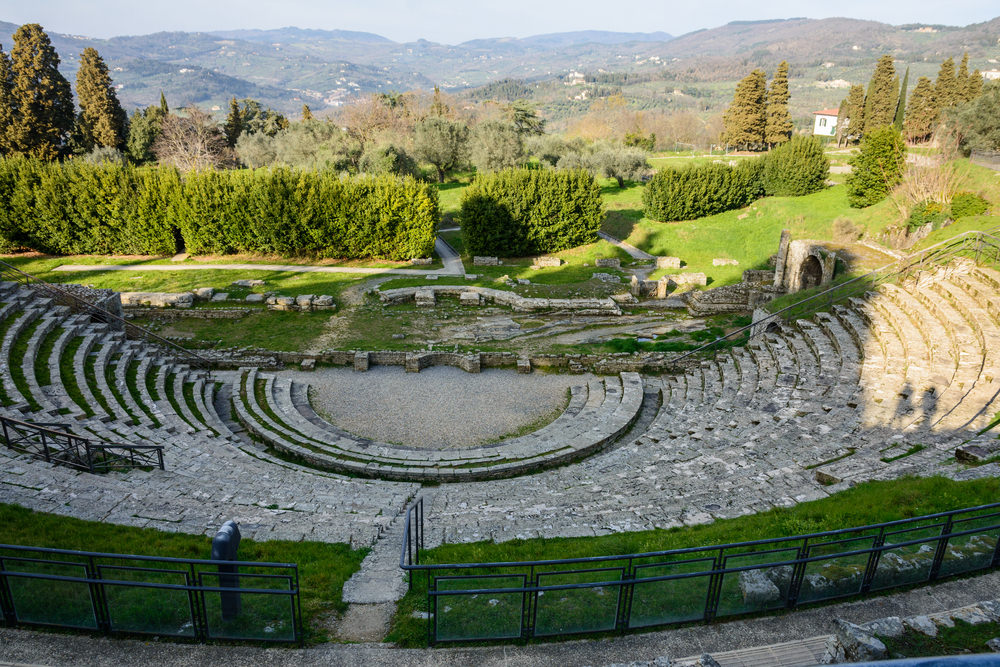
147,595
980,247
98,314
523,600
55,444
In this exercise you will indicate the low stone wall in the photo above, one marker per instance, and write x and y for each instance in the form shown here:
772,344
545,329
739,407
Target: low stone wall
502,297
188,313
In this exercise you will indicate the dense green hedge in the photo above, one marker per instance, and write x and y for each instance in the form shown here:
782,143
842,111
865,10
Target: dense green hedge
518,212
795,168
75,208
694,192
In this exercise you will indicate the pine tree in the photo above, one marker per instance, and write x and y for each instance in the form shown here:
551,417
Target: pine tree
746,119
855,113
883,94
962,79
901,104
6,110
778,125
975,87
41,99
946,86
163,104
307,113
233,126
101,121
921,112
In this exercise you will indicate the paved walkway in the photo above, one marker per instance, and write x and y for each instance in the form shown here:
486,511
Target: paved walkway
634,252
773,640
452,266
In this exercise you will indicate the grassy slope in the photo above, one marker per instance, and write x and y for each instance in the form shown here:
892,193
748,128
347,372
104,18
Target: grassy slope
323,568
867,503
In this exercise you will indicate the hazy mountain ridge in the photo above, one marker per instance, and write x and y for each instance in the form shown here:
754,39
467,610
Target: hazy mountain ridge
285,67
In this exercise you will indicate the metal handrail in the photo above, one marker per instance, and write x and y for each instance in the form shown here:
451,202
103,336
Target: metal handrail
120,451
78,304
828,295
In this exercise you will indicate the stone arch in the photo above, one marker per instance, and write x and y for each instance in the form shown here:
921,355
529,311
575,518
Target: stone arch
810,272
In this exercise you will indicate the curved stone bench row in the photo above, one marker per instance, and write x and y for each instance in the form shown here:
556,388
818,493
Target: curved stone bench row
504,298
278,411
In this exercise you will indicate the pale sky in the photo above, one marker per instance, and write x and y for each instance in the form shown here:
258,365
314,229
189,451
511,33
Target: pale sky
454,21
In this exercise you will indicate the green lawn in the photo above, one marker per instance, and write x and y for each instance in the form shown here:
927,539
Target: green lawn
323,568
959,640
271,330
866,503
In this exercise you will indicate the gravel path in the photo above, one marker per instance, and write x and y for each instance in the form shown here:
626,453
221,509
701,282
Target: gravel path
440,407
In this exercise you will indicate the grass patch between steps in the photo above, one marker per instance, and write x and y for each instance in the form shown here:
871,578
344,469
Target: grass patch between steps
132,382
864,504
172,399
17,352
6,324
323,567
150,378
188,390
42,371
912,450
109,377
962,639
90,375
68,376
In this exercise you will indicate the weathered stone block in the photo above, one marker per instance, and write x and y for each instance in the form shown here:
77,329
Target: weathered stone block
757,589
220,296
469,298
158,299
304,302
323,302
485,261
668,262
308,365
421,261
361,361
248,283
546,262
523,365
203,293
688,278
721,261
609,263
255,298
284,303
424,297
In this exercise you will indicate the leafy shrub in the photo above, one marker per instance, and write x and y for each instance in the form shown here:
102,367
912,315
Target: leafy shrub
78,208
797,167
519,212
927,212
965,204
845,231
694,192
877,168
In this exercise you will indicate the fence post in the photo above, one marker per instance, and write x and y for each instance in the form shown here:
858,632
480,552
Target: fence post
941,546
100,603
6,605
873,559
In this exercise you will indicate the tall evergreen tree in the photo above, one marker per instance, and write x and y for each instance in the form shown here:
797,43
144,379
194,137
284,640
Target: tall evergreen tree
307,113
233,126
101,121
842,122
901,104
883,94
921,112
946,87
438,106
143,129
975,87
962,79
163,104
855,113
6,110
746,119
41,99
778,124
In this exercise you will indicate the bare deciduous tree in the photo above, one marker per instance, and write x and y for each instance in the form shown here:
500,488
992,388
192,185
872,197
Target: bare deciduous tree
192,142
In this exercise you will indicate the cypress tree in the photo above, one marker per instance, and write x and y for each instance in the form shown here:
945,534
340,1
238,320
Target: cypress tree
842,122
855,113
41,98
883,94
6,110
233,126
307,113
746,119
975,87
901,104
163,104
778,125
921,112
946,86
962,79
101,121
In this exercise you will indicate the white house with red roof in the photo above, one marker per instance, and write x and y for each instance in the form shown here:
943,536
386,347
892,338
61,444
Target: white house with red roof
825,122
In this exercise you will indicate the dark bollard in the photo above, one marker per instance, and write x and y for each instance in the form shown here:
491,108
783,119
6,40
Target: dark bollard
224,547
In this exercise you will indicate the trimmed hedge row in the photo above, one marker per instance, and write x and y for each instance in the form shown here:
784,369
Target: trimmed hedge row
75,208
795,168
518,212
